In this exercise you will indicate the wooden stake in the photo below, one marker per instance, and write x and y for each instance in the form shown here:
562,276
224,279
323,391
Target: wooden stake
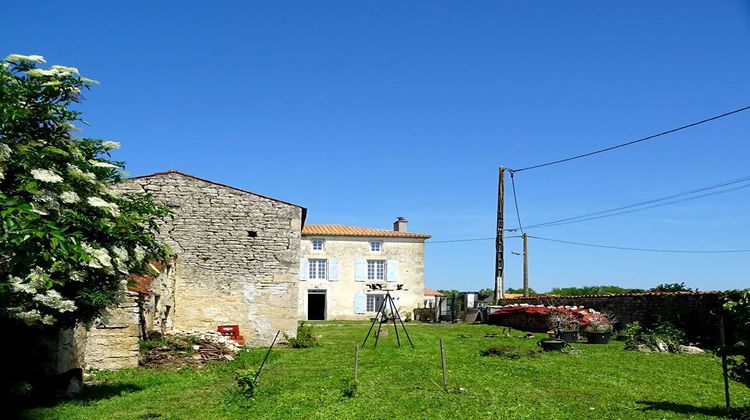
356,360
723,343
445,369
499,245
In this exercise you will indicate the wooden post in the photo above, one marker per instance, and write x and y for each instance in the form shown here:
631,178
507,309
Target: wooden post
356,360
525,265
723,343
499,245
445,370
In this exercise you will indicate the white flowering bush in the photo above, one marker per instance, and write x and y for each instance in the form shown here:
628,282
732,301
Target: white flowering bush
67,241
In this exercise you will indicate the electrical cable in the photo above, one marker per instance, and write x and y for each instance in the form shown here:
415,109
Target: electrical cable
653,136
643,249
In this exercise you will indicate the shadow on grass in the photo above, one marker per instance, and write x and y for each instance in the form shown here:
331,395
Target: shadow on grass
89,394
687,409
103,391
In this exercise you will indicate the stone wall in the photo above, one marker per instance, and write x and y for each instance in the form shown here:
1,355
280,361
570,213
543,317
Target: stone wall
236,255
691,311
112,341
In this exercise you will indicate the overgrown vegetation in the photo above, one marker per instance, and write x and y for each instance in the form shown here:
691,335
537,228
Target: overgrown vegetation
601,382
664,335
739,363
305,337
246,381
68,240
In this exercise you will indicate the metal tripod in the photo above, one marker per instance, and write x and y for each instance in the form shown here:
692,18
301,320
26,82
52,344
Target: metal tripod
388,300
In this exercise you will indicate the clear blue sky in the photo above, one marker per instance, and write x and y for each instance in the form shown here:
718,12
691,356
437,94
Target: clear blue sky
364,111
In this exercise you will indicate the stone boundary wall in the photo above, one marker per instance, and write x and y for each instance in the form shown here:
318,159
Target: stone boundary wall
690,311
112,342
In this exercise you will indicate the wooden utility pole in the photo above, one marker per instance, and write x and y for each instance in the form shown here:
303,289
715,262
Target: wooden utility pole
499,246
525,265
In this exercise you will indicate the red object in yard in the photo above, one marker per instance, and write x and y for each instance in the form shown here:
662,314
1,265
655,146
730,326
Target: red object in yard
233,332
229,330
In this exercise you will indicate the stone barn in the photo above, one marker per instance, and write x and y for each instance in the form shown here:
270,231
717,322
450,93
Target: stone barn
236,258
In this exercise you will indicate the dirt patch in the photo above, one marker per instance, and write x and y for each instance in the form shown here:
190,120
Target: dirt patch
182,351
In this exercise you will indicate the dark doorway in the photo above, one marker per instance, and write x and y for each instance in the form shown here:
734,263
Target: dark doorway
316,305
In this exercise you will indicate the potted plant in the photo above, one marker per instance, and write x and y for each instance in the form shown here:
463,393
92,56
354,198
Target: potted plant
565,324
599,329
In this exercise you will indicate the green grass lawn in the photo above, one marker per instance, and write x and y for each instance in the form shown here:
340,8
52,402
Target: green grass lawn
602,381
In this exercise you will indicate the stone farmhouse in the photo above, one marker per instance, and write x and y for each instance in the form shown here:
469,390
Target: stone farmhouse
337,262
241,258
236,258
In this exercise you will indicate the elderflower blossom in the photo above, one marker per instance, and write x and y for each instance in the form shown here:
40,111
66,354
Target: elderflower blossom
37,278
4,152
120,252
113,209
111,145
46,175
69,197
48,320
78,173
100,164
64,70
139,254
29,317
77,276
100,258
17,284
40,72
53,299
18,58
37,210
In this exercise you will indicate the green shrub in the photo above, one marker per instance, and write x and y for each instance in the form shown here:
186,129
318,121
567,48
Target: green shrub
304,339
508,352
739,310
245,381
630,330
663,332
349,387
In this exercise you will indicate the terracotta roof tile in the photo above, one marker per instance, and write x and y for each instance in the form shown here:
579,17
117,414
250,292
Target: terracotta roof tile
341,230
432,292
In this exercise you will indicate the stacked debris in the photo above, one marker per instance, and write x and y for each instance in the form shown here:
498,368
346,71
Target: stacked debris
187,349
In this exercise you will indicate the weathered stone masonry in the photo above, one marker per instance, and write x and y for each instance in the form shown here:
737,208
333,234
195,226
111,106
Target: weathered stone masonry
236,255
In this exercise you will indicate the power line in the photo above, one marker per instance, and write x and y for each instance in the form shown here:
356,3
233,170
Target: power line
682,251
467,240
515,201
630,208
653,136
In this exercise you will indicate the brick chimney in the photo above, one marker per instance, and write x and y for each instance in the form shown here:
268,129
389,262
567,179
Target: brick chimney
400,225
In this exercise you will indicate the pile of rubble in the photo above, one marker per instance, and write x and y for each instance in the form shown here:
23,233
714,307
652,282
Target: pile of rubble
187,348
211,337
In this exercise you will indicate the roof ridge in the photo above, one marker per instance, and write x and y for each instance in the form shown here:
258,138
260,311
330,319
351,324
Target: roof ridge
175,171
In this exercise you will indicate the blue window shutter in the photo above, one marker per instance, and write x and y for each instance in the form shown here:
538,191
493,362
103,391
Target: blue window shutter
303,269
360,300
333,270
360,270
392,266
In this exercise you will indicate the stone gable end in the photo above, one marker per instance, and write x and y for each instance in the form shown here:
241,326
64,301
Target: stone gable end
236,255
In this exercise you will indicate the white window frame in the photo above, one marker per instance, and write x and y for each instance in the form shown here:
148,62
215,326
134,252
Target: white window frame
379,246
322,245
376,299
317,269
377,270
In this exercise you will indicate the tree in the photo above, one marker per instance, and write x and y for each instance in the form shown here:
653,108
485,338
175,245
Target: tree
671,287
520,291
592,290
68,240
